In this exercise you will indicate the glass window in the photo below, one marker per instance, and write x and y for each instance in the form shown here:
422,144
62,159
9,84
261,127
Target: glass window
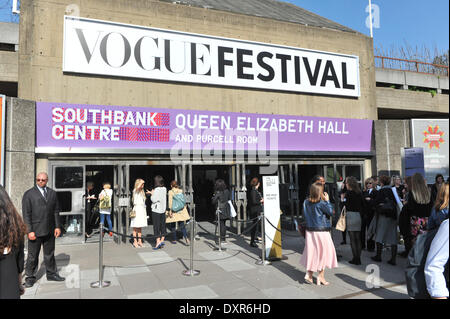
72,224
339,173
65,201
329,176
353,170
68,177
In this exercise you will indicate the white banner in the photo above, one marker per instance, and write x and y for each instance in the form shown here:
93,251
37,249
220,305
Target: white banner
271,211
116,49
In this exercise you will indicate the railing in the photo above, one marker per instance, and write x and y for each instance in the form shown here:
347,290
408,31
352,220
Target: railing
410,65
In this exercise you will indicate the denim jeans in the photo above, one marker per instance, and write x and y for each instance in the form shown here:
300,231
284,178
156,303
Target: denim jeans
182,227
108,220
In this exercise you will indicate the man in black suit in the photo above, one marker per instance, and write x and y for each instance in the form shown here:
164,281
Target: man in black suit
40,211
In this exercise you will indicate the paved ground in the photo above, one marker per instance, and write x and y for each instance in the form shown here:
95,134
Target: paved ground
232,274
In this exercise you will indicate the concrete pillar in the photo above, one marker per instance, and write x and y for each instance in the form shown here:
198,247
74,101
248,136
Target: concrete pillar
20,144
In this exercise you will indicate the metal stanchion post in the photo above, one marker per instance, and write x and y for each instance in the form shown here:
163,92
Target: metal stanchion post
219,248
191,272
263,261
100,283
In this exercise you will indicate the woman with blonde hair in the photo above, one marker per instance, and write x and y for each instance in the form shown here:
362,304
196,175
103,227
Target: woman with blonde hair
418,207
319,251
140,219
439,212
179,216
369,195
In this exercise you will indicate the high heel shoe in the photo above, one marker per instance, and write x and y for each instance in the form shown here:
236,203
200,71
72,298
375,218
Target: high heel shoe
140,244
320,282
309,280
157,246
135,244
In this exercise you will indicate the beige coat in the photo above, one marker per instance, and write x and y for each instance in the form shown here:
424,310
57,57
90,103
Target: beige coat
180,216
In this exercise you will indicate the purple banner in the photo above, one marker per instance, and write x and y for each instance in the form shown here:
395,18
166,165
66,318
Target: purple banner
62,125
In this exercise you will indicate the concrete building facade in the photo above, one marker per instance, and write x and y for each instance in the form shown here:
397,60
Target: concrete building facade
383,98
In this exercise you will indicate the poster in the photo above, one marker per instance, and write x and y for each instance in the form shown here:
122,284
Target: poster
432,135
272,215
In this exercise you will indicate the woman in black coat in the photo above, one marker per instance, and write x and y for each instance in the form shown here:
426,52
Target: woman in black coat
354,204
12,234
220,199
384,224
255,207
369,195
416,211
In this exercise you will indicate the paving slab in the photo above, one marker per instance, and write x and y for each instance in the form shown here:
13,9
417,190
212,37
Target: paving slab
226,261
161,294
139,283
147,274
196,292
131,270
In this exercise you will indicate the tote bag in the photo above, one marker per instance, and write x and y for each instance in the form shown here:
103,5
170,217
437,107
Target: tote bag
340,225
232,210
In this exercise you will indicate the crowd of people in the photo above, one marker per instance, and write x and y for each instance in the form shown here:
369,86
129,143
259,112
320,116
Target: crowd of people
372,216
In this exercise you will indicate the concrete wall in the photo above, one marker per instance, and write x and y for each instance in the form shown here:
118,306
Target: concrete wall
389,98
19,153
9,66
9,33
40,60
406,79
390,137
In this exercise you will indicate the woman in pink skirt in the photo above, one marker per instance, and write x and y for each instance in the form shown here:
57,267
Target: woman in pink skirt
319,251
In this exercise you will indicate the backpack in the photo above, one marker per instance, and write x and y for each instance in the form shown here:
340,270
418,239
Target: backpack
178,202
414,272
105,202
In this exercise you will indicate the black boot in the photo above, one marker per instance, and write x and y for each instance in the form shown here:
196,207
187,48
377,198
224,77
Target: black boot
393,255
377,257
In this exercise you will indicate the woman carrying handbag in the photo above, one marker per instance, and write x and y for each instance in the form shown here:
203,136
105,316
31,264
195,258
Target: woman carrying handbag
139,213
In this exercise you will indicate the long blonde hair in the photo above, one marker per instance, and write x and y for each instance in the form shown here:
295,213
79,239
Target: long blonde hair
442,197
419,189
138,182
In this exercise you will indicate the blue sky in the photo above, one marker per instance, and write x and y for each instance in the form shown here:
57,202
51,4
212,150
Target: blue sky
417,23
413,23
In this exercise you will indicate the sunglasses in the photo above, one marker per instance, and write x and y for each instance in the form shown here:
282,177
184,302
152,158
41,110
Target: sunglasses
40,180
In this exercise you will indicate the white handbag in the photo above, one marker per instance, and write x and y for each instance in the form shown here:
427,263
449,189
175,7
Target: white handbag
232,210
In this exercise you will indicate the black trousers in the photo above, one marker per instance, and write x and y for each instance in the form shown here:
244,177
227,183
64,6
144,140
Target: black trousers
255,224
366,220
355,243
88,219
223,229
159,224
34,249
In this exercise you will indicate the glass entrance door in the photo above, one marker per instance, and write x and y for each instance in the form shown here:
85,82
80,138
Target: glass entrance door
68,182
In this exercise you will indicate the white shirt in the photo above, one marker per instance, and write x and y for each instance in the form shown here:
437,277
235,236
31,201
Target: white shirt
42,190
159,200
